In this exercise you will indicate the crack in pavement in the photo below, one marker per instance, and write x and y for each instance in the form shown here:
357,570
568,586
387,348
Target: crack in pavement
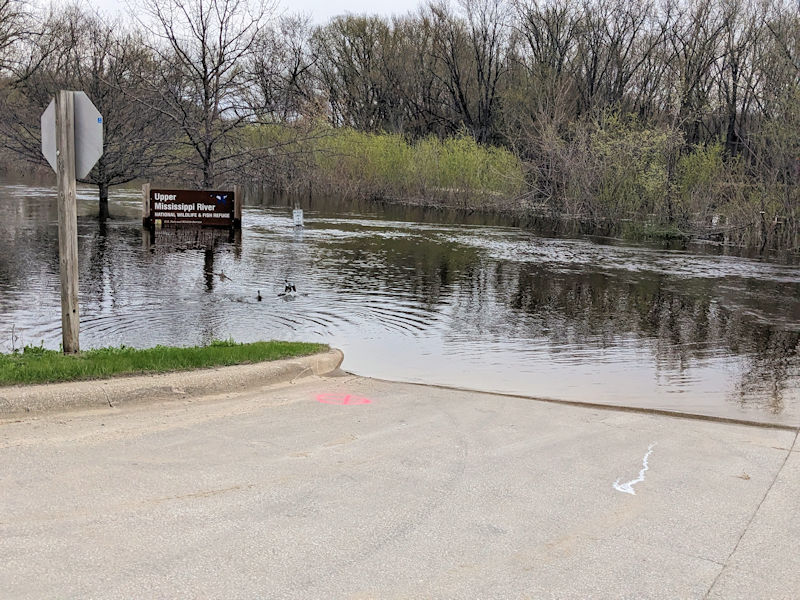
753,516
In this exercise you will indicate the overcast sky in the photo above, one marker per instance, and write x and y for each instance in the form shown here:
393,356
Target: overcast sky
320,10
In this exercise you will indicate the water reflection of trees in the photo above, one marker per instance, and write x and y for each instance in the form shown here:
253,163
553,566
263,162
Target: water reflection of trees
683,322
407,266
28,244
773,369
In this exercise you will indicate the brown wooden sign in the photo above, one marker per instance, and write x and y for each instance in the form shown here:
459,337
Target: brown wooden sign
200,208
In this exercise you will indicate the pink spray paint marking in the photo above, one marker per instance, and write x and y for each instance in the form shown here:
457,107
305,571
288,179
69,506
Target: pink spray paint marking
342,400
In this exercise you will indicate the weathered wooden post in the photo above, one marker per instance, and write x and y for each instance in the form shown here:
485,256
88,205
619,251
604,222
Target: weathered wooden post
72,141
67,220
146,221
238,199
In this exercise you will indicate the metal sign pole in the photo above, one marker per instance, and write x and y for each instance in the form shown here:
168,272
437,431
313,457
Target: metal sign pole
67,220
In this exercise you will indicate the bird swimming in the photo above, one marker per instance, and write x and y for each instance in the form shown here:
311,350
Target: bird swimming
289,290
258,297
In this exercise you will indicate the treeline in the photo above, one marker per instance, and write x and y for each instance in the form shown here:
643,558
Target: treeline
675,117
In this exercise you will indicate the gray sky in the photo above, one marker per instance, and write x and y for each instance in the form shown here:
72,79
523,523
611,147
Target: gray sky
320,10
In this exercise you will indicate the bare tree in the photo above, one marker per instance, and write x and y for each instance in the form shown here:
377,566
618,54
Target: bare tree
79,50
282,68
735,72
15,25
470,51
423,107
348,54
488,38
541,94
381,75
695,40
202,85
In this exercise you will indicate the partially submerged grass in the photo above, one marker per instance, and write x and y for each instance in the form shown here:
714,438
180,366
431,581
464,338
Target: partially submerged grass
38,365
651,231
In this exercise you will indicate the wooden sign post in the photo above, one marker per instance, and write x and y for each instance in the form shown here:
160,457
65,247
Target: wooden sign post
67,221
72,141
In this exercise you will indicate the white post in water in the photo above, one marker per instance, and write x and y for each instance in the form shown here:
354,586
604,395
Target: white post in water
72,141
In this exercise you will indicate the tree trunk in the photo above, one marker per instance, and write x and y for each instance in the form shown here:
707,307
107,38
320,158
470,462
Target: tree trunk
208,175
731,137
103,189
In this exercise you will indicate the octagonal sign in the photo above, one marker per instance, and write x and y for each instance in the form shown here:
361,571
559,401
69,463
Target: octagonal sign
88,134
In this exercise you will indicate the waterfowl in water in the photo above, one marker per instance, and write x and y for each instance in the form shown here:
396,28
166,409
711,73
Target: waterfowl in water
258,297
289,291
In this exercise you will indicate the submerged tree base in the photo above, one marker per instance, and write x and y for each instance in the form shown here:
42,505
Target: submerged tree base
38,365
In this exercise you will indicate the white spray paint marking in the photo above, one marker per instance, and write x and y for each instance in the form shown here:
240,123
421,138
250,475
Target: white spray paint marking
628,486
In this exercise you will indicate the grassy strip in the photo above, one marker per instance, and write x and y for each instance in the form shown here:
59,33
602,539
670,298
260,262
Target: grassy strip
37,365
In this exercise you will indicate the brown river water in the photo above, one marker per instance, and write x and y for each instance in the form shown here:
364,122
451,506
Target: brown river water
424,296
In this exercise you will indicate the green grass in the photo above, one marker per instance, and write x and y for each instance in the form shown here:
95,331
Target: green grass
38,365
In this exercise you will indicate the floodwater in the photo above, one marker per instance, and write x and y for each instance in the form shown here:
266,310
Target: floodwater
419,296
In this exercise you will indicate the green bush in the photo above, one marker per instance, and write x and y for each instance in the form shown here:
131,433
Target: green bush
387,165
632,165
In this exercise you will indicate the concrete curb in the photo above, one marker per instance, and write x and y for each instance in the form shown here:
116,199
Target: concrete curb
177,385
